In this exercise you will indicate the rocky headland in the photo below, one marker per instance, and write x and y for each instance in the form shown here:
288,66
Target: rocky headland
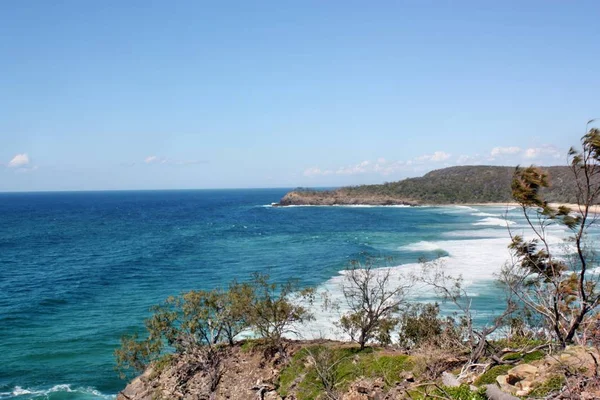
453,185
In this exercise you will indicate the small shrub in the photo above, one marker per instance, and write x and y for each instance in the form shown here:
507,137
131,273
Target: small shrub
421,324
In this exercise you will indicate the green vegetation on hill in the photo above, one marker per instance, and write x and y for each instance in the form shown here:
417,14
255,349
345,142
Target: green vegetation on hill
453,185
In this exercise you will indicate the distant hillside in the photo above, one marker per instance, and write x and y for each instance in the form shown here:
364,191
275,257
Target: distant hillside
453,185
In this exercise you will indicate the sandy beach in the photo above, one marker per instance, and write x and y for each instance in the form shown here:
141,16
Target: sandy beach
574,207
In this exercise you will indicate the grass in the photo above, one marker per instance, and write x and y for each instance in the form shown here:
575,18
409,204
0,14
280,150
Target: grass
489,377
350,364
462,392
517,341
249,345
526,358
552,384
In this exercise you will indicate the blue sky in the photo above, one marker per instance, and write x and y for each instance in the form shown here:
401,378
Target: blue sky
189,94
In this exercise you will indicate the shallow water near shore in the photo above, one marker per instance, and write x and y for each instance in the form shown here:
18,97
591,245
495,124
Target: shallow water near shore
78,270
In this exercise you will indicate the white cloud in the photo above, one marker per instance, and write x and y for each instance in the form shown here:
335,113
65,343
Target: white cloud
19,161
153,160
164,160
468,160
438,156
497,156
314,171
386,168
360,168
496,151
544,151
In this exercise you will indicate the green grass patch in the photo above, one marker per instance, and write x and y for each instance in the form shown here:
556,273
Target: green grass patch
527,358
517,341
462,392
249,345
489,377
296,369
350,363
550,385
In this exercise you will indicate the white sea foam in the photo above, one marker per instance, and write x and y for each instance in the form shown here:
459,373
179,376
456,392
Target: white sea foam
494,221
465,208
421,246
477,233
483,214
477,255
18,391
476,260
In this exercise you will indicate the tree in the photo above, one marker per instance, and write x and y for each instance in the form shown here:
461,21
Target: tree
561,290
135,354
277,309
193,323
234,314
450,288
421,325
373,301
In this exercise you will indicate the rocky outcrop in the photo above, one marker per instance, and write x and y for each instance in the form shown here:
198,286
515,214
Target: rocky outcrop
524,378
245,375
340,197
519,380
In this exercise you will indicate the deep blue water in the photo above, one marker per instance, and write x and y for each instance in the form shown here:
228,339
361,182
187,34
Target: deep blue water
78,270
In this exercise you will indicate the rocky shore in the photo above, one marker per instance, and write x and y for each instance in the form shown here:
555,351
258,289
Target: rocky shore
340,197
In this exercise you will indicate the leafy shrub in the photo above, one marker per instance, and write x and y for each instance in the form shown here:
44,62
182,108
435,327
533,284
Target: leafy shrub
421,324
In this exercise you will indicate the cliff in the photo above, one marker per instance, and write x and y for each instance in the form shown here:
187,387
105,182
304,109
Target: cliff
453,185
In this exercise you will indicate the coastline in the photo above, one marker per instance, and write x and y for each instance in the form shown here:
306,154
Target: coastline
595,209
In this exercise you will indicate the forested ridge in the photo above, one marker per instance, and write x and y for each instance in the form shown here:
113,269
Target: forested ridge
453,185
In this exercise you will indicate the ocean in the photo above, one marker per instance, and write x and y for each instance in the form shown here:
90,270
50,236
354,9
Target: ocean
80,269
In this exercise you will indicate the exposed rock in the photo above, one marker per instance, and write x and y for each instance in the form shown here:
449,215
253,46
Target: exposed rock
324,198
365,389
407,376
449,380
504,385
523,371
494,393
244,376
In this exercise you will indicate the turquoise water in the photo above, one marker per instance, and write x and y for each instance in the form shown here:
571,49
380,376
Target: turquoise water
78,270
